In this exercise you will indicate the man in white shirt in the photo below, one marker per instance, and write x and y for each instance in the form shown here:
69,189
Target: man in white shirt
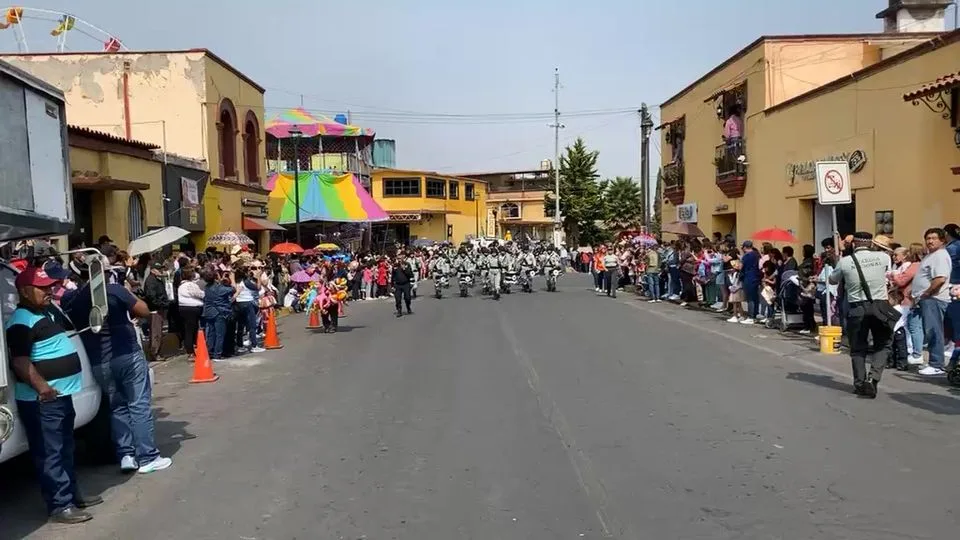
929,289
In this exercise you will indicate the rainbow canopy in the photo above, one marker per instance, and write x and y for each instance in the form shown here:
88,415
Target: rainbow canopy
312,125
323,197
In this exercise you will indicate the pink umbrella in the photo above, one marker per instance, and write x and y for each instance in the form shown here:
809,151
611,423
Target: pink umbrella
302,276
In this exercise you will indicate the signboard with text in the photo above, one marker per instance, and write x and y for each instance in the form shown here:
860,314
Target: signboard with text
833,183
687,213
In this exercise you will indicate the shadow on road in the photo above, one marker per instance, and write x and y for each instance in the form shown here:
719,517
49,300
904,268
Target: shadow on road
935,403
22,511
826,381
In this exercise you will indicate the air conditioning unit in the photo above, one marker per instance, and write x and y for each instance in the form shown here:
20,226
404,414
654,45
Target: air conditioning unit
546,165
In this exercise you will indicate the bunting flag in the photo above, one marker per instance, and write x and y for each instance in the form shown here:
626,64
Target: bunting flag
13,16
66,24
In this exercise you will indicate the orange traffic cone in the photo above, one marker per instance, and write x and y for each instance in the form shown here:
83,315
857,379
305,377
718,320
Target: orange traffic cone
202,368
271,340
314,321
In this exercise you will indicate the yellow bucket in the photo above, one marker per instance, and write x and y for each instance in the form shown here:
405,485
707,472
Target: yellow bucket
830,339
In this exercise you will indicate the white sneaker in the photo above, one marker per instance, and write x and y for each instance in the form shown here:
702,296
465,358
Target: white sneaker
596,289
805,332
931,371
128,464
258,350
683,304
651,301
734,319
747,321
915,360
158,464
674,297
761,320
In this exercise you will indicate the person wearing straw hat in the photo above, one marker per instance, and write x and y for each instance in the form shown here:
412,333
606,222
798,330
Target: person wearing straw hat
864,275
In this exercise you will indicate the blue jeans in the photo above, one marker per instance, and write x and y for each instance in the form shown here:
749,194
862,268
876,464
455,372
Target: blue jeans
751,292
915,330
932,310
125,379
673,280
49,428
216,332
653,284
248,315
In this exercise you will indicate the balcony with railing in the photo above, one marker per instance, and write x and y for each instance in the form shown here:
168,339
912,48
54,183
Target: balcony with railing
673,183
730,159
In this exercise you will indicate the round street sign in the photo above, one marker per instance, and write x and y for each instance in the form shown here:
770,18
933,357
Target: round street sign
833,181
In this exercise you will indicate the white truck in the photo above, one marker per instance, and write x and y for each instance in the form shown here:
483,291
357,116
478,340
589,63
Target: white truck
36,201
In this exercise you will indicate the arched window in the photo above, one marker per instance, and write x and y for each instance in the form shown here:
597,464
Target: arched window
136,216
510,211
251,148
227,139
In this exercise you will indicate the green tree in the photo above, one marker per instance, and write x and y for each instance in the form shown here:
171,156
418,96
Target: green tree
657,222
581,195
624,203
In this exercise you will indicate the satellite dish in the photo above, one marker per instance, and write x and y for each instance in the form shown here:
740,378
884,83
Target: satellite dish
340,119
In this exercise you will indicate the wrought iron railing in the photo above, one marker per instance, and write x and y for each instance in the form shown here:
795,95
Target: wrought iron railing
730,158
673,175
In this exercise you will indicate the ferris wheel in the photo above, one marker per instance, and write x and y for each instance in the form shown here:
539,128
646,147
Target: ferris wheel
43,30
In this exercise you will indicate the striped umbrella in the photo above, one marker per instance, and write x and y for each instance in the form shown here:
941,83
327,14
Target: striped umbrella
229,238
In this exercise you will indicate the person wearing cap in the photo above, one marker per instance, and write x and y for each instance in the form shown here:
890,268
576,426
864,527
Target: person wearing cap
48,373
864,276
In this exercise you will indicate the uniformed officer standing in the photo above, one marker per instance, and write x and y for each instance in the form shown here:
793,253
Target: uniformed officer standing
863,274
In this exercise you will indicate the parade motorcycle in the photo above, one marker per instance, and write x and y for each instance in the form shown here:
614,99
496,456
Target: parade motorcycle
551,275
509,280
526,280
465,280
440,282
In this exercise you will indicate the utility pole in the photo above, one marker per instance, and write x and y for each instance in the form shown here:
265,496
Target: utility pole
557,126
646,125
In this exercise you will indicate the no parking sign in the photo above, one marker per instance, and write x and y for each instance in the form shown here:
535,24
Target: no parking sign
833,183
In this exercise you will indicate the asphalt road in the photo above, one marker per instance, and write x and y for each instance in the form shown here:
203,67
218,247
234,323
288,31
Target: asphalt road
543,416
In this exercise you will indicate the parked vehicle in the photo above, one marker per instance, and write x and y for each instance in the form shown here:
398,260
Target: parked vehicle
31,208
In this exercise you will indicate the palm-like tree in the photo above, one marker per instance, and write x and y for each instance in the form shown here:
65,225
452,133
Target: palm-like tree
624,203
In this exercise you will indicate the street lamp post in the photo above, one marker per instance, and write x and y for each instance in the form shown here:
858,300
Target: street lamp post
296,134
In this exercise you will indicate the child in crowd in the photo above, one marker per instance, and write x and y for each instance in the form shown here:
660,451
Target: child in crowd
736,291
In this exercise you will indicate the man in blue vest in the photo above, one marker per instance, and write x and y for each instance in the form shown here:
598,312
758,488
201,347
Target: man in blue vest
47,369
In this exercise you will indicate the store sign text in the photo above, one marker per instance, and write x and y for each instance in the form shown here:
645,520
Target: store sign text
807,170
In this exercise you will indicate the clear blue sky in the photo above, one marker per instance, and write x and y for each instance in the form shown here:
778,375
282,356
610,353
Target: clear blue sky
378,57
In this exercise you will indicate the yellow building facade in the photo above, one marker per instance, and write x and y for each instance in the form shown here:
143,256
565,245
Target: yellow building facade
516,205
429,205
802,99
117,187
188,102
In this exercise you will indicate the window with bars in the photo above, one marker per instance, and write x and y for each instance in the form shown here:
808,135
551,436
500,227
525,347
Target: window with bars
469,192
401,187
436,188
454,189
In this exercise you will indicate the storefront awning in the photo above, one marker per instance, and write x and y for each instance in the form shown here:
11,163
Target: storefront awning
946,83
106,183
260,224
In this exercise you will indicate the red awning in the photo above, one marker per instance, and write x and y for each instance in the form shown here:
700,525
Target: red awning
260,224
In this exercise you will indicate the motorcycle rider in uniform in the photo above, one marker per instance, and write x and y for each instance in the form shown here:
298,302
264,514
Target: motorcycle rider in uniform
527,263
550,261
495,266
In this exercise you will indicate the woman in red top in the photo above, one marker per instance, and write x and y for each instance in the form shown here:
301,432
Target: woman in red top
381,278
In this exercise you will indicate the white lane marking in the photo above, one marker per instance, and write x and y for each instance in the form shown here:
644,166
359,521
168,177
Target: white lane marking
589,482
